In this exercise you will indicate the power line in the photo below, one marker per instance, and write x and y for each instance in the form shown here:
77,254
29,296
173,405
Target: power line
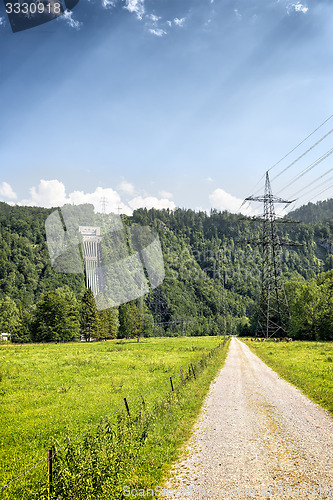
104,202
308,169
292,150
326,189
302,142
273,311
302,155
313,182
294,205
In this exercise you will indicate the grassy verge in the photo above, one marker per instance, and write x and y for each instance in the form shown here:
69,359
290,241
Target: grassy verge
55,392
307,365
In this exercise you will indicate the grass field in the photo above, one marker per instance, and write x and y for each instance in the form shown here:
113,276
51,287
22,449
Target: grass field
307,365
51,393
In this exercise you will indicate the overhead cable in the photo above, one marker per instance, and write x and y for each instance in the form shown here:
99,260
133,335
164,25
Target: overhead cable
307,169
323,191
302,142
312,182
294,149
302,155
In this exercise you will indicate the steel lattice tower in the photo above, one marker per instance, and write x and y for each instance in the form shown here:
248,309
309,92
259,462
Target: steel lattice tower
273,311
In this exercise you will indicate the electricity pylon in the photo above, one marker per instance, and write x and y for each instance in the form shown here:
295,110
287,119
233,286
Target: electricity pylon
273,311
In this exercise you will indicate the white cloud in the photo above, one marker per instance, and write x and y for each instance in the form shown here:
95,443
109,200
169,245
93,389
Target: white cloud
68,17
126,187
112,199
165,194
136,6
222,200
52,193
153,18
48,194
301,8
298,7
151,202
108,4
6,191
237,14
157,32
179,22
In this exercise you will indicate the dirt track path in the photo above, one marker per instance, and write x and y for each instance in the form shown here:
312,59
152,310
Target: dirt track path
257,437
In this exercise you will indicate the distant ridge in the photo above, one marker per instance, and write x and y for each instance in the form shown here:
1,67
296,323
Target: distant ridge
314,212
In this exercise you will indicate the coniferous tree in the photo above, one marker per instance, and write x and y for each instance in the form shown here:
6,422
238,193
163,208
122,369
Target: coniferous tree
130,321
23,333
113,314
9,316
89,316
198,250
56,317
103,325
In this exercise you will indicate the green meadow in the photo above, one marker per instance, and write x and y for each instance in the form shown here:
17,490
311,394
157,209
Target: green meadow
50,393
307,365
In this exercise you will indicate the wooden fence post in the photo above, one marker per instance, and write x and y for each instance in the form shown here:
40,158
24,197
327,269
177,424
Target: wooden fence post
127,408
181,374
50,469
171,384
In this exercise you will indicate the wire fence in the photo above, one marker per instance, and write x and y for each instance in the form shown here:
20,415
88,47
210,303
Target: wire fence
184,377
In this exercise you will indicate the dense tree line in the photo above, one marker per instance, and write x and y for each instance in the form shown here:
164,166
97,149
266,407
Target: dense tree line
212,282
314,212
60,317
311,308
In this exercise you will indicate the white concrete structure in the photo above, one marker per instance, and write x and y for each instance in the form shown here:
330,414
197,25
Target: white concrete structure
92,238
5,336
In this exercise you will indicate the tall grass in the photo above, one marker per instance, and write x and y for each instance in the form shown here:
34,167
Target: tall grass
308,365
54,392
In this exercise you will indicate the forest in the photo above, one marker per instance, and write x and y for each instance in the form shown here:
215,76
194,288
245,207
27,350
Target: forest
211,286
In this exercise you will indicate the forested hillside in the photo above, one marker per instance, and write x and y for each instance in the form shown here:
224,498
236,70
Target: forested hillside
314,212
212,281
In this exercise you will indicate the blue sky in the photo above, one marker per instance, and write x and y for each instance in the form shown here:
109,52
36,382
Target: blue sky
163,102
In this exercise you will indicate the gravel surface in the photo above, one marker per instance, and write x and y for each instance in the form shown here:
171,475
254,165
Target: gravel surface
257,437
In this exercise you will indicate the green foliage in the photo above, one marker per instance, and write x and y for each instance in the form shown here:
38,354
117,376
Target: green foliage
56,318
123,451
25,267
23,332
9,316
311,308
89,316
314,212
308,365
130,321
108,323
212,277
54,392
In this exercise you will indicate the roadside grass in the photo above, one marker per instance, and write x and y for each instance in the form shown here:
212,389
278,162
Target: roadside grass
52,393
307,365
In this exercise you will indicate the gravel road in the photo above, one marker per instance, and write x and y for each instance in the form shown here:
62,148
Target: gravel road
257,437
